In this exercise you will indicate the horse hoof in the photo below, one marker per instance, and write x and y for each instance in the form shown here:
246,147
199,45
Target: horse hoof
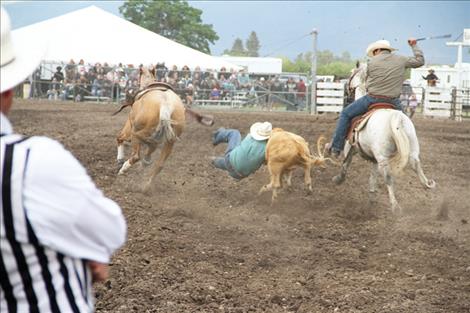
431,184
338,179
146,162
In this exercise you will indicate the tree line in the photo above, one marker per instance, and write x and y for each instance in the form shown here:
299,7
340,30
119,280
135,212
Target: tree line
178,21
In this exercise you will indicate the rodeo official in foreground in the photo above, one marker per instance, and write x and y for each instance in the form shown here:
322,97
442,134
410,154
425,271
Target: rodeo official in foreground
57,230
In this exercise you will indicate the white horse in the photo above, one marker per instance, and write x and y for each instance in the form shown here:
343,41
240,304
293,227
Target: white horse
356,85
388,140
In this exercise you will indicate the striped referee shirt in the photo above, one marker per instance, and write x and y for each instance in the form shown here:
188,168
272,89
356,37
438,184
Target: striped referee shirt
46,236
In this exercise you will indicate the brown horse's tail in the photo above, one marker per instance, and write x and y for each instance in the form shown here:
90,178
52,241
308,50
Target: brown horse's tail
204,119
165,131
121,108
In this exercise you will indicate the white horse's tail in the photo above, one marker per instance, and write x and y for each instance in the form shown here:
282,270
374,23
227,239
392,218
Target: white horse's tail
165,130
402,142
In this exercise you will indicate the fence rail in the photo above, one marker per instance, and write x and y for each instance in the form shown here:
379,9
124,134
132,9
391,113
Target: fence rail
330,97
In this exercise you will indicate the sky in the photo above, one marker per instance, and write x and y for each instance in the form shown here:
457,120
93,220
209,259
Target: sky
283,27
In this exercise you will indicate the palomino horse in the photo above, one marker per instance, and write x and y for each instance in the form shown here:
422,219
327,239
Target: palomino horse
157,116
388,140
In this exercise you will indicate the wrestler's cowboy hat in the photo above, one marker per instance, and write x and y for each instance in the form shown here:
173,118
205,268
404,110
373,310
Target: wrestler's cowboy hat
379,44
19,57
261,131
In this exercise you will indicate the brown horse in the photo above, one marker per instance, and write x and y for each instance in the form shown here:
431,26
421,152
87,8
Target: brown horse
157,117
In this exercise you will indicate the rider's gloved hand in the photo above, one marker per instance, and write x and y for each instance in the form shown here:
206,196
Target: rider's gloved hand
412,42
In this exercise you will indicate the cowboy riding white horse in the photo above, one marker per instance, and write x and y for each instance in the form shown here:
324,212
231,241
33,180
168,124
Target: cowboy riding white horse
388,137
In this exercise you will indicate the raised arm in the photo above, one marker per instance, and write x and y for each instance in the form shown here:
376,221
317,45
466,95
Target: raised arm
418,59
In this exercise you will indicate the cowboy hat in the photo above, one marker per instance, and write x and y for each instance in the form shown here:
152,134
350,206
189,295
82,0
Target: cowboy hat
379,44
261,131
19,56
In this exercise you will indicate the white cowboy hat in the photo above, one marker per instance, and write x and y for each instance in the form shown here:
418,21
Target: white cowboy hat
19,57
261,131
379,44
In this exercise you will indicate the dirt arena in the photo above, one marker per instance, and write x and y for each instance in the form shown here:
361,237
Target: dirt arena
202,242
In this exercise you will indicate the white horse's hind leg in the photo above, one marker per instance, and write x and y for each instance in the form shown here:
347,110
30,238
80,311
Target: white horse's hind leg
373,178
416,166
384,168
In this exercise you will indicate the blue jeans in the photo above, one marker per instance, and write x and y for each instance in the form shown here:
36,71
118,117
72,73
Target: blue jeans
358,107
233,138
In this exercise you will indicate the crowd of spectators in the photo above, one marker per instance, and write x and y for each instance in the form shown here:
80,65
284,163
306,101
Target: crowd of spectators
78,81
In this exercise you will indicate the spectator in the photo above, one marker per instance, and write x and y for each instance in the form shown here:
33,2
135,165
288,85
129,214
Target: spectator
35,91
243,80
56,84
81,89
276,88
213,83
205,88
189,95
97,86
71,71
431,78
242,158
291,88
261,87
53,93
215,94
58,229
186,72
301,90
106,68
162,71
173,75
197,77
81,68
58,75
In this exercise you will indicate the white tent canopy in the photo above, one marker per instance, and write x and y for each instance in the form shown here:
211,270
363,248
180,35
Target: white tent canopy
95,35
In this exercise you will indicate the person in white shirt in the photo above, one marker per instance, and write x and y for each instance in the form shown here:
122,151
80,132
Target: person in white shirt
57,229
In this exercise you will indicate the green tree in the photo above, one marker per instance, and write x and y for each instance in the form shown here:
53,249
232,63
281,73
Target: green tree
327,64
325,57
345,57
174,20
338,69
252,45
237,49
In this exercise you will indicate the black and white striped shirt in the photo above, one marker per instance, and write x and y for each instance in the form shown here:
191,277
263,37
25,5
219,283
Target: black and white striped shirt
43,265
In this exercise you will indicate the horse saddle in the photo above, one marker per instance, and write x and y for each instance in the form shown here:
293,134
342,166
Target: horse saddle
132,95
359,122
150,87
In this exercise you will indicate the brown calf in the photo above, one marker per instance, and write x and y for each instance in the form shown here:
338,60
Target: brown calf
284,152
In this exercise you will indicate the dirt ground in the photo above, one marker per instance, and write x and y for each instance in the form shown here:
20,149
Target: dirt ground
203,242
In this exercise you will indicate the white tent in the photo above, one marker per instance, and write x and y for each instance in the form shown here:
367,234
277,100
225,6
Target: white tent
95,35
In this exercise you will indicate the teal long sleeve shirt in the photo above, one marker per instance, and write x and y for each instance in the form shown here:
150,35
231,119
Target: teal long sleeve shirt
247,157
